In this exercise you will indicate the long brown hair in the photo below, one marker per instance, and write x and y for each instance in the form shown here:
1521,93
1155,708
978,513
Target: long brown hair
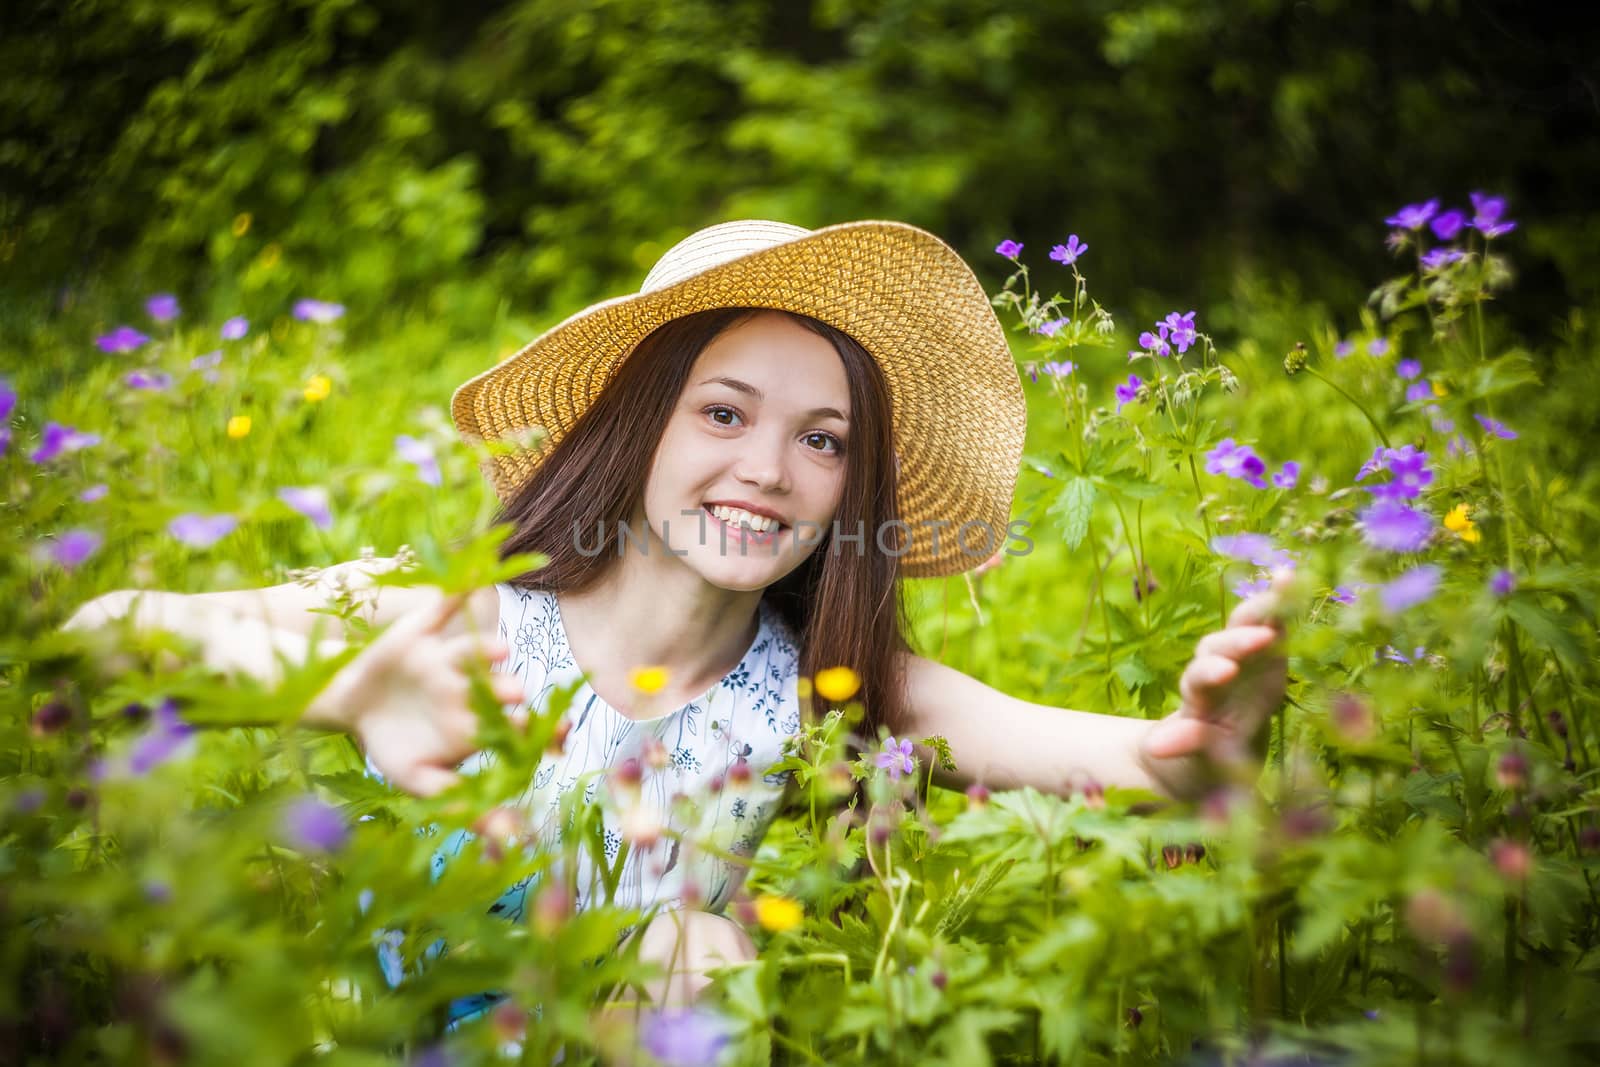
845,607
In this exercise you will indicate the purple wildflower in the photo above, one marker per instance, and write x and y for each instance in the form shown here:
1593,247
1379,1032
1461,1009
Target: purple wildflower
1417,392
1008,248
1410,470
1183,331
1446,226
1378,346
1372,465
1343,594
419,452
122,339
75,546
201,531
1441,257
1236,461
1053,327
1288,477
1410,589
1251,548
57,439
310,501
1059,369
166,736
1394,526
8,399
93,493
1408,368
1457,446
1413,216
1496,427
896,758
684,1037
1343,349
1156,343
163,307
317,310
5,439
207,361
1248,587
1502,583
1068,253
140,379
235,328
1394,655
1128,391
312,826
1487,211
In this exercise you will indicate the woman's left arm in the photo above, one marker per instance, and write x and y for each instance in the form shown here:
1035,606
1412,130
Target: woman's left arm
1229,690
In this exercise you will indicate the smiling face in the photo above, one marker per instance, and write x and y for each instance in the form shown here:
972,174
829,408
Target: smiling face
761,426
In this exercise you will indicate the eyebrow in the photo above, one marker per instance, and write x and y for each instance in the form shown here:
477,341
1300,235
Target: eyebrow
749,390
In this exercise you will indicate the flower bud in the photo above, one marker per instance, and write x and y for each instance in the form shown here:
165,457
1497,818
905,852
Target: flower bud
1589,839
1512,771
1513,859
135,712
880,832
627,775
558,740
509,1021
978,795
1558,723
551,908
1460,965
1194,853
1296,360
1135,1017
940,980
1094,796
77,799
641,825
1434,917
1353,718
1173,855
51,717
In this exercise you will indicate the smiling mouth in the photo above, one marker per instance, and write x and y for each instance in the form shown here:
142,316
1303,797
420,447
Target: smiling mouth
738,530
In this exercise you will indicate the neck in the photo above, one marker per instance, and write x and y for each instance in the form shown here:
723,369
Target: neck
650,610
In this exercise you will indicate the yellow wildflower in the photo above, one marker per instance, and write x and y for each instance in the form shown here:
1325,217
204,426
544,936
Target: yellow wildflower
270,255
241,223
837,684
1457,522
318,388
239,426
649,679
1440,390
777,913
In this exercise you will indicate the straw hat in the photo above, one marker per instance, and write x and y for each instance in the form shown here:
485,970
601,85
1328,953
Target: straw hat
905,295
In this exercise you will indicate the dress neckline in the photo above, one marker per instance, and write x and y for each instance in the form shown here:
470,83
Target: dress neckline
762,622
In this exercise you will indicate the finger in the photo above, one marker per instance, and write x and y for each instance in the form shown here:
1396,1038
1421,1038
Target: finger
426,780
507,688
1181,736
463,649
1236,642
1203,677
438,615
1264,608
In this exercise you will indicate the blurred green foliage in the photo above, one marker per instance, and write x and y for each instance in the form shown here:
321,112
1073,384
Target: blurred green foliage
384,152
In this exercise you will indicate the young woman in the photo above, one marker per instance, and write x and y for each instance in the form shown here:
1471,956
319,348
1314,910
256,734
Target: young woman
739,464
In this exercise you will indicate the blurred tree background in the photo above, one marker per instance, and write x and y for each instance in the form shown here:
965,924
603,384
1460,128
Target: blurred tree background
442,160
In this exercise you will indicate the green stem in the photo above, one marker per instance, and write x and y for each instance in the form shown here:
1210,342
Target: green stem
1358,405
1205,520
1105,612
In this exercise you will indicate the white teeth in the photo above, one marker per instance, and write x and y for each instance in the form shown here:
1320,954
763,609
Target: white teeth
741,517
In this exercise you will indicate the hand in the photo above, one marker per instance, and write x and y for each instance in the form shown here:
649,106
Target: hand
406,696
1229,690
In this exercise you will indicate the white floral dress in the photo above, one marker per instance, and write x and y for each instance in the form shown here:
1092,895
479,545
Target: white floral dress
749,714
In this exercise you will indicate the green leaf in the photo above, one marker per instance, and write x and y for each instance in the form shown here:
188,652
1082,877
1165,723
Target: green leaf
1073,507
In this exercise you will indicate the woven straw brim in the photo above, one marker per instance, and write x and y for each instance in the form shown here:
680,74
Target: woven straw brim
906,296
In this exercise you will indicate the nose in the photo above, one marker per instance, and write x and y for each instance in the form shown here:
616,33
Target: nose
763,463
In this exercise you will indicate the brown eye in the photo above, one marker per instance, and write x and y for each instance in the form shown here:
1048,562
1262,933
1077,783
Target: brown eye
717,409
838,445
